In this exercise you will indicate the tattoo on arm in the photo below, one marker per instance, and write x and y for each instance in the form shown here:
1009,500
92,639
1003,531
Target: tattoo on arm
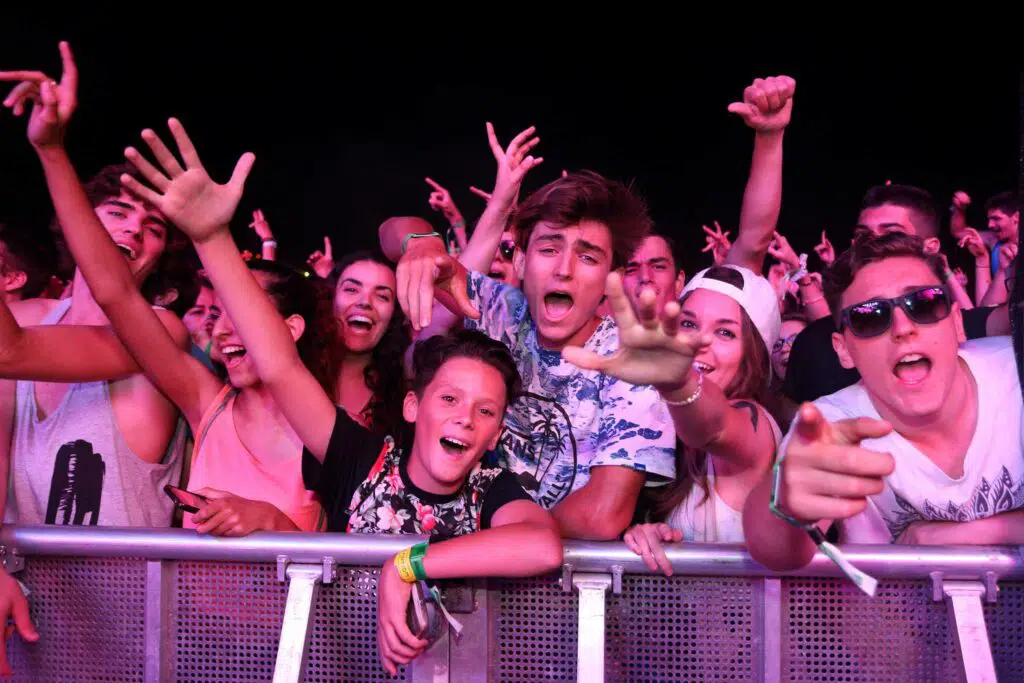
755,414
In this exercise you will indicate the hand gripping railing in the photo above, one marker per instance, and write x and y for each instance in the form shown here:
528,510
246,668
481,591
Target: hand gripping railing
962,576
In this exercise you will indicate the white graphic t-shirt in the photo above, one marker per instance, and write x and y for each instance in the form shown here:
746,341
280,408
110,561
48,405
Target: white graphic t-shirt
571,419
993,480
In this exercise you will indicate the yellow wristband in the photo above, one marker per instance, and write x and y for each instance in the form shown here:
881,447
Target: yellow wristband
403,564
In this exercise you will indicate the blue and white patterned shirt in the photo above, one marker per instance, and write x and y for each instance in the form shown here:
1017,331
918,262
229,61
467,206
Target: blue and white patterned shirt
572,419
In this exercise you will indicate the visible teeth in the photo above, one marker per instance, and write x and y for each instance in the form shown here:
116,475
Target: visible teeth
232,349
360,319
455,442
127,250
911,358
702,367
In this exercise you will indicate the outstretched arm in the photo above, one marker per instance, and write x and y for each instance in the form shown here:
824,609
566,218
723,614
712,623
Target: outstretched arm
203,209
159,351
766,107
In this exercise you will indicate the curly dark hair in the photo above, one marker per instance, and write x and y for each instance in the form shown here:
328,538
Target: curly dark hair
295,294
385,374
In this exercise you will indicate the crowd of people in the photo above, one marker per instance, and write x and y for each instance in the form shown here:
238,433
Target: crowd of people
552,373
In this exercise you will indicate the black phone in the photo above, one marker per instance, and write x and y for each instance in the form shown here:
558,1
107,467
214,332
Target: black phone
186,500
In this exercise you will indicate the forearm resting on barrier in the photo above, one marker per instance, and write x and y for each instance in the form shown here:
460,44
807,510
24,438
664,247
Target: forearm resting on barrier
1003,529
603,508
528,547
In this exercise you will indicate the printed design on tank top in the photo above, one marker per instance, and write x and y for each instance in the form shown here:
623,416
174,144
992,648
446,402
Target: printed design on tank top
539,438
383,504
76,488
988,499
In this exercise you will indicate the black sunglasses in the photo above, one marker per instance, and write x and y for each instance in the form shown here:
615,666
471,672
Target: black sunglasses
874,317
507,249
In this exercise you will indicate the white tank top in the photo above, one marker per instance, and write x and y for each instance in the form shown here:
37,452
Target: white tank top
711,520
74,466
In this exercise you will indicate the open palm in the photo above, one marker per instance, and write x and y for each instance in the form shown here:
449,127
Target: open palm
187,196
652,348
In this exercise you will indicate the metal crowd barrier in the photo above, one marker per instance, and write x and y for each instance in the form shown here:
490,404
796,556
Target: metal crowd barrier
169,605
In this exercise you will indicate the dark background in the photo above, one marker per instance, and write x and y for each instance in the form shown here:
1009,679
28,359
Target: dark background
346,121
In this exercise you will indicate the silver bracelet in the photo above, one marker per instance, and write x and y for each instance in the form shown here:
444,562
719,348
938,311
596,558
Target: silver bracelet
692,397
271,243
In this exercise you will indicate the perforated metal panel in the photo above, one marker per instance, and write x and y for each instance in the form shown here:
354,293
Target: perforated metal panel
833,632
228,621
1005,620
534,635
680,629
343,646
90,617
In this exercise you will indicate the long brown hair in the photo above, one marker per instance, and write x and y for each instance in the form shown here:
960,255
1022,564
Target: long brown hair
751,382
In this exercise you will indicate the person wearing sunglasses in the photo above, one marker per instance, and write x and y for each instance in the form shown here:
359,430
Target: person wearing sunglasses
925,448
502,267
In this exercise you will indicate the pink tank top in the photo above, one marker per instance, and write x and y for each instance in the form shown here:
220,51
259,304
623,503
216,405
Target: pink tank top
221,461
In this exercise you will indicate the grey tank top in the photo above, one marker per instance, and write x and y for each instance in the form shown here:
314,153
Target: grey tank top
74,466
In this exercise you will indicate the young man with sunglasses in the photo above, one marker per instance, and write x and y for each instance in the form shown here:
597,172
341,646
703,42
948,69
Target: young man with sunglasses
503,265
813,369
925,448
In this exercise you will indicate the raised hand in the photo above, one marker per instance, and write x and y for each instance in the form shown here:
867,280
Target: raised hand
441,200
781,250
52,103
260,226
717,243
513,164
825,251
424,268
961,200
972,242
778,276
960,276
187,196
1007,253
825,472
767,103
480,193
322,262
652,348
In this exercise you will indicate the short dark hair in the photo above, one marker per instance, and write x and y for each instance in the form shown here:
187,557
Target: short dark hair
673,248
428,356
1008,202
867,249
587,196
29,253
919,202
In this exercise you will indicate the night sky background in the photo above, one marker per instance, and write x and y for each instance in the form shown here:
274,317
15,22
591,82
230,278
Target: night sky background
346,120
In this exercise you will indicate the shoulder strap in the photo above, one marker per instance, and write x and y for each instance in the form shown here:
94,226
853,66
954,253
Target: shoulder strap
216,408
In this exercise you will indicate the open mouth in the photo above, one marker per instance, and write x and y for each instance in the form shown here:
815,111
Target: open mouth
912,368
127,251
360,323
496,275
453,446
702,368
557,305
233,355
